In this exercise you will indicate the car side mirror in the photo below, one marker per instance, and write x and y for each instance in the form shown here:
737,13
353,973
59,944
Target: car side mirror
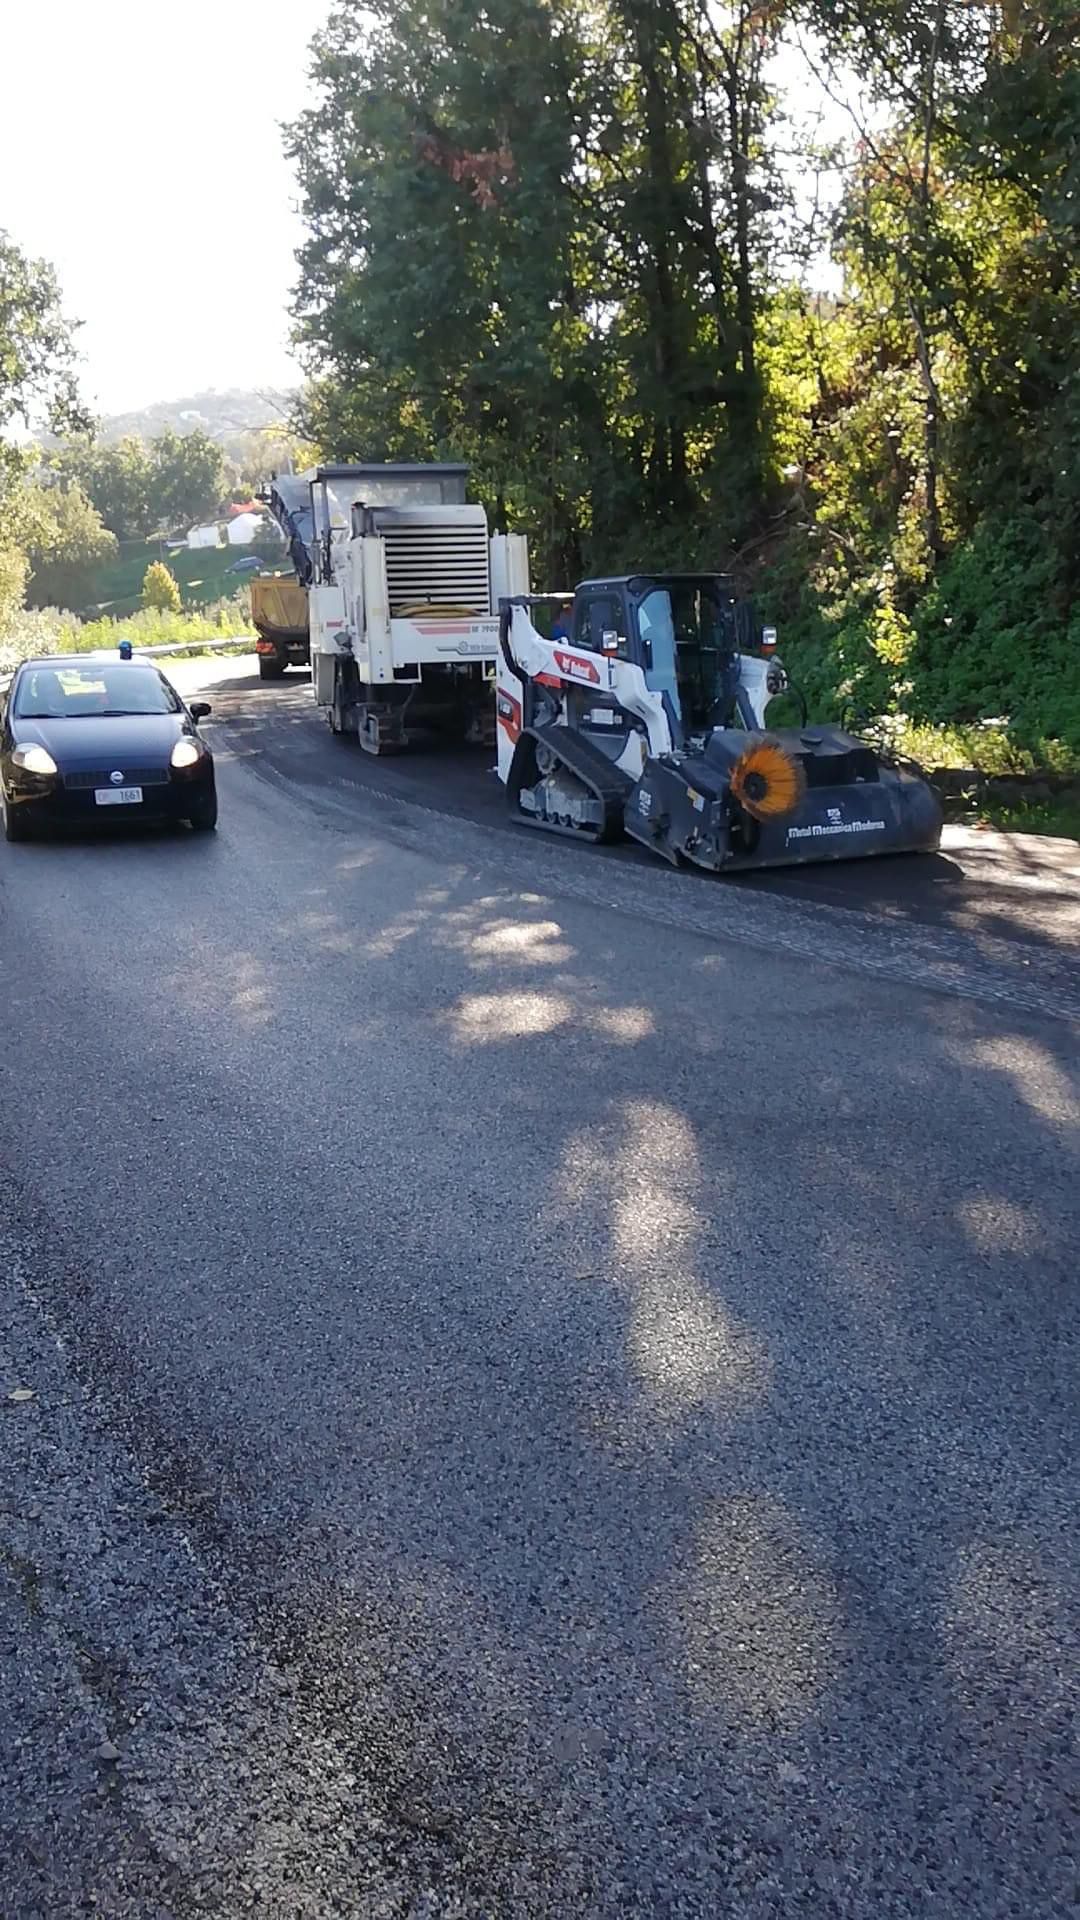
200,709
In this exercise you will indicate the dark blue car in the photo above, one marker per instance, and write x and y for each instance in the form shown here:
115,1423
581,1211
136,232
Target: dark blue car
86,741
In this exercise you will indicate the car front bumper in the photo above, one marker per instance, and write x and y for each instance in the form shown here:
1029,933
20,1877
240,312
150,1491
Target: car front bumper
57,804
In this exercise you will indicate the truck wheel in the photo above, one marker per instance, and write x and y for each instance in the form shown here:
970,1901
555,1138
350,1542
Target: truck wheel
270,668
337,712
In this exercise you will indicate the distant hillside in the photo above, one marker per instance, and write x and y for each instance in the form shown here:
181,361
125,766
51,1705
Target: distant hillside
230,417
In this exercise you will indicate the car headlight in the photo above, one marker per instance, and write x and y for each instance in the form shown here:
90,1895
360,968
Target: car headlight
187,752
34,760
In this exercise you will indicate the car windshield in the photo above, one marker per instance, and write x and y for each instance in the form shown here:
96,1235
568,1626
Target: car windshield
80,692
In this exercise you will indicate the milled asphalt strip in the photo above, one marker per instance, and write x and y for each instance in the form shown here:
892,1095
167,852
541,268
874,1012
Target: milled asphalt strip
124,1656
934,958
153,1760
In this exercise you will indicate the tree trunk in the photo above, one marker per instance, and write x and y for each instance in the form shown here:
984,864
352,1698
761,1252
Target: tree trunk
931,412
654,50
739,75
744,287
931,393
699,133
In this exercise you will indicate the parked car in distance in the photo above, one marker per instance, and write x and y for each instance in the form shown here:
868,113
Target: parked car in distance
84,740
249,564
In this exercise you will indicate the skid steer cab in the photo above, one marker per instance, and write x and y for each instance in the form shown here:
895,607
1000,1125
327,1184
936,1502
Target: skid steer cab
651,721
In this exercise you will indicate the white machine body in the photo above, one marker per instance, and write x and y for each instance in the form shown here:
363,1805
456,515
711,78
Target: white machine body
557,664
403,606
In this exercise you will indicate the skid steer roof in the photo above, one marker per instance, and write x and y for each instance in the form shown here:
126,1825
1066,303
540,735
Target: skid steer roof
635,581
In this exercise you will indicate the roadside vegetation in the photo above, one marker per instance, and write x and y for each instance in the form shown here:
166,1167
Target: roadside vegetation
86,519
45,630
160,593
673,321
986,749
1058,820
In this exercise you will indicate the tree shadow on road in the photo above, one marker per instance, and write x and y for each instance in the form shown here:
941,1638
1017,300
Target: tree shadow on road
648,1439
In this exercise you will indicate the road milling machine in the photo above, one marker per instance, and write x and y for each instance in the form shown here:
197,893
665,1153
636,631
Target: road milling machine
651,721
403,586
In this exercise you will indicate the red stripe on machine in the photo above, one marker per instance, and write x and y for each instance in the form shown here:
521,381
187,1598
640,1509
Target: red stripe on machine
576,667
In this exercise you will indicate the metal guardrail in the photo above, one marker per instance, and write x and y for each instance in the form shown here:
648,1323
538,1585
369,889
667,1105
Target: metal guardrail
180,646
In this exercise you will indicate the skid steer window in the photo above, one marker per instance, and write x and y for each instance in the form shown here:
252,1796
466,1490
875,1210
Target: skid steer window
688,650
657,629
598,614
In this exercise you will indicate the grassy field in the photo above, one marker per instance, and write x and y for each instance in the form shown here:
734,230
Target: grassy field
202,575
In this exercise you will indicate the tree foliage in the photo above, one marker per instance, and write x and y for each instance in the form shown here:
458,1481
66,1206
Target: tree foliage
65,543
187,477
37,382
263,452
564,241
944,486
533,236
37,351
159,588
141,487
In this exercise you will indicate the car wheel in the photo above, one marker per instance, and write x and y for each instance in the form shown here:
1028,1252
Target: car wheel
15,827
269,668
204,819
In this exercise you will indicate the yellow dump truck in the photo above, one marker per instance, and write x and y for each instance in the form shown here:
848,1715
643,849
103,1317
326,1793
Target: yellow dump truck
279,614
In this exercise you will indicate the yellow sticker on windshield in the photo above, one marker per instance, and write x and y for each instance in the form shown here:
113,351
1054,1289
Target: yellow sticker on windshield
75,682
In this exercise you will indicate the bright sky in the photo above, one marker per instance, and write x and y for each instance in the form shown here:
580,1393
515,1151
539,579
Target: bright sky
140,153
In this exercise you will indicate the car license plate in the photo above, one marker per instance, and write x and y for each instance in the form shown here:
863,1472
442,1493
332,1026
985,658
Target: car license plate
118,796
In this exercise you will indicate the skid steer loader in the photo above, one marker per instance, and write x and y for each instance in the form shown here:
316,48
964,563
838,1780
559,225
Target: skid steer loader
651,721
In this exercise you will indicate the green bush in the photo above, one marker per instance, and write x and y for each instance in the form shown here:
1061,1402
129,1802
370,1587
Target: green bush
161,627
992,642
50,630
988,641
37,630
159,588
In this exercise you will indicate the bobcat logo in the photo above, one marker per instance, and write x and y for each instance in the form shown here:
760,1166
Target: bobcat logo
576,668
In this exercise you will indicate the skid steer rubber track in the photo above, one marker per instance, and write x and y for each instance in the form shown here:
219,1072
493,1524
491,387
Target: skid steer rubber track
606,782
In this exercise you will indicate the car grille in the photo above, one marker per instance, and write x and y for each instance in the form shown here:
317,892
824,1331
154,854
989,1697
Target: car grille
133,777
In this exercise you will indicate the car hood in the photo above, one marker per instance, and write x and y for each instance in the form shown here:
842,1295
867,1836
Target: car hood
86,741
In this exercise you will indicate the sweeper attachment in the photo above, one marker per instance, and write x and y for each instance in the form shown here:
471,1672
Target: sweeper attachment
650,720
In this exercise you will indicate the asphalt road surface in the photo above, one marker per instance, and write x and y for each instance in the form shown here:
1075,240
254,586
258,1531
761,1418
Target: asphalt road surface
531,1384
